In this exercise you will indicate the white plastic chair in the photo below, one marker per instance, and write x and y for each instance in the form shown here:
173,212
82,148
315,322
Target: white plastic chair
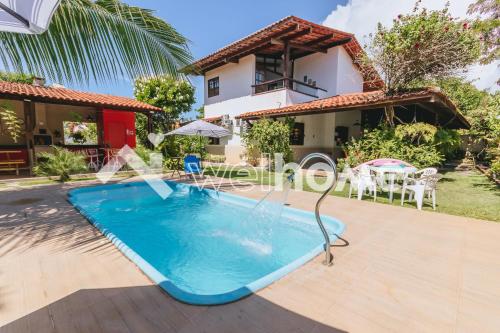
426,172
362,180
419,187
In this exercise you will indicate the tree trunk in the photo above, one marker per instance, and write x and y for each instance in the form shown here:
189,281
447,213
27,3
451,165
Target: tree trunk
389,115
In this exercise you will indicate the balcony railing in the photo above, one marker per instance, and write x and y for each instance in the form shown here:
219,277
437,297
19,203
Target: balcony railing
295,85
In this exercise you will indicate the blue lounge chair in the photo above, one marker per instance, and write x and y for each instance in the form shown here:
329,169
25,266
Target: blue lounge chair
192,165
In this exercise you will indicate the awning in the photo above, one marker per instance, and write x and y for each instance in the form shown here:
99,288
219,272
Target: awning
26,16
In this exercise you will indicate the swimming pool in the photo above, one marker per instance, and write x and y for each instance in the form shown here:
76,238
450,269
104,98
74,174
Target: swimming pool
202,246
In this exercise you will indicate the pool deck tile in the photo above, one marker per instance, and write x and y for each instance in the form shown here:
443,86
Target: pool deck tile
405,270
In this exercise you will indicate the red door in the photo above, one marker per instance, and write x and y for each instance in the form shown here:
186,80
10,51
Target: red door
118,128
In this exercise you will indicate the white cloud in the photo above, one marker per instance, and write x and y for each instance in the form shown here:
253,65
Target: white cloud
361,17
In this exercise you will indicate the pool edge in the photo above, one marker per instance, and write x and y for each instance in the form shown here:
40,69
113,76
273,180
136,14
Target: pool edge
195,299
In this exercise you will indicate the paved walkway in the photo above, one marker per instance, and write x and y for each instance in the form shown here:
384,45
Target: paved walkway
404,271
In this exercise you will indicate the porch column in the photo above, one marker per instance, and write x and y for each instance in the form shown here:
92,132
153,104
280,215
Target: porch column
286,61
100,128
29,126
150,127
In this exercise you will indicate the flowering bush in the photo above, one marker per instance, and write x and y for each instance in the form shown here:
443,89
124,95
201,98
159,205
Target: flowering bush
420,46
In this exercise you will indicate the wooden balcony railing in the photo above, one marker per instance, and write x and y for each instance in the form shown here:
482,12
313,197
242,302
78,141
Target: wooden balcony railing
288,83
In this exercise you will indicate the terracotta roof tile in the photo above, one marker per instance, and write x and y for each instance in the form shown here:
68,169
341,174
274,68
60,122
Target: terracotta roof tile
284,28
69,96
355,100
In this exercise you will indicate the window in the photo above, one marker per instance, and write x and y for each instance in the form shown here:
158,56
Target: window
213,87
269,64
297,135
213,141
80,133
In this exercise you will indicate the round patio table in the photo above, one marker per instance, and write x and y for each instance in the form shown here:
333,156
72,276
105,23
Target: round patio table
392,171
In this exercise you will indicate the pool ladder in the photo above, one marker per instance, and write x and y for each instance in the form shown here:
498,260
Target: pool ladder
328,256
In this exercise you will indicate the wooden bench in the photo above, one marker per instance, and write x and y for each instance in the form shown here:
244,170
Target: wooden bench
11,164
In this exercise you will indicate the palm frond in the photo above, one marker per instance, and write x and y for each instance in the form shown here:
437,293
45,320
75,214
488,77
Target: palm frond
102,41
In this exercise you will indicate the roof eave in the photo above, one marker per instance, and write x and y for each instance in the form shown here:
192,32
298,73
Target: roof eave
431,97
41,99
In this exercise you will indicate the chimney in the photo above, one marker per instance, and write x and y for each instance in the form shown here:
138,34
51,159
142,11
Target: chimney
38,81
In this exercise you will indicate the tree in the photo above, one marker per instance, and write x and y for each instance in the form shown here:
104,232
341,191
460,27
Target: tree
16,77
488,25
463,93
103,40
482,110
269,137
485,127
421,46
200,112
173,96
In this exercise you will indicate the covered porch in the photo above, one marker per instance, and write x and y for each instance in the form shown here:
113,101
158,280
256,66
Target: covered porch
75,120
324,125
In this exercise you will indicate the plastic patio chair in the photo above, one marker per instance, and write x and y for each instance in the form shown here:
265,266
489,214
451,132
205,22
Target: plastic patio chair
419,187
362,180
192,166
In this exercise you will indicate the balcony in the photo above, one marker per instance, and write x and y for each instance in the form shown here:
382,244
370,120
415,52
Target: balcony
288,83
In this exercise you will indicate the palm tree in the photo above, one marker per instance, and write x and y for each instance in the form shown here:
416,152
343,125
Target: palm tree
103,40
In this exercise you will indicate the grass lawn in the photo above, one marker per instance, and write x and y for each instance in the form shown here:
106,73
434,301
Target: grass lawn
463,193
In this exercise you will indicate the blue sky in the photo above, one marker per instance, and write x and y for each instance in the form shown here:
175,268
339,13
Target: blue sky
211,24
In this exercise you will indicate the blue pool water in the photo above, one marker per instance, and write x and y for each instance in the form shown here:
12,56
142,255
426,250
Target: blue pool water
202,246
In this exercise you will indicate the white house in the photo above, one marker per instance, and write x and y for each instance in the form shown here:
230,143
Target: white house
296,68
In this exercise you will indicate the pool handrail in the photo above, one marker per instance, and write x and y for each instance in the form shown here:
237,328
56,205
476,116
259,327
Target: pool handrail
328,256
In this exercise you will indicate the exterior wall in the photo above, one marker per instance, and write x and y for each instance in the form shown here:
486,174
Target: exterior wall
233,107
235,80
319,67
236,106
318,135
333,71
349,79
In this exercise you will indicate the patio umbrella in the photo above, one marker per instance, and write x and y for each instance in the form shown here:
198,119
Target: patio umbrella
26,16
201,128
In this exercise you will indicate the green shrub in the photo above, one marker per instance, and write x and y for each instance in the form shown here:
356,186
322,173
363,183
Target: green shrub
414,143
216,158
179,145
61,162
448,142
143,152
269,137
495,168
